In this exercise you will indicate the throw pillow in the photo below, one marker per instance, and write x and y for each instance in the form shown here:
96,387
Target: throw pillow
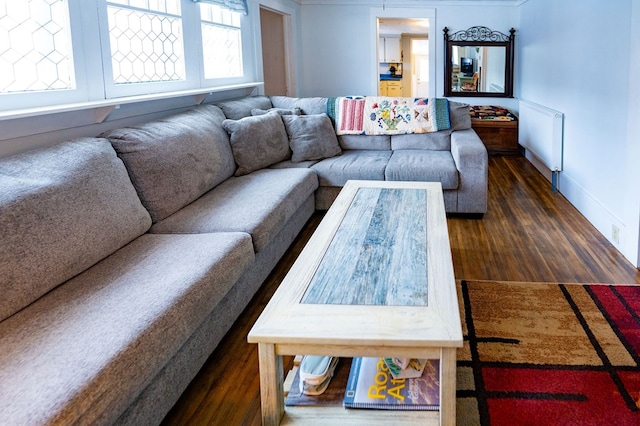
459,115
281,111
257,142
439,113
311,137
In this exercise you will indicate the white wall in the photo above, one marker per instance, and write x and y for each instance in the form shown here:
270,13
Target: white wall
337,53
574,56
631,213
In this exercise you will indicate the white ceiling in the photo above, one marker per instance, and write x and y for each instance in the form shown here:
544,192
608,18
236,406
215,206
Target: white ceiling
396,26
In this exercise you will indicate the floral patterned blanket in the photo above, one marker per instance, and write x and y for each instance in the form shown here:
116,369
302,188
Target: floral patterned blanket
382,115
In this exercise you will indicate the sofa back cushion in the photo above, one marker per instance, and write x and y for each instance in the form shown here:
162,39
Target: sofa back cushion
62,209
368,142
240,108
173,161
309,106
435,141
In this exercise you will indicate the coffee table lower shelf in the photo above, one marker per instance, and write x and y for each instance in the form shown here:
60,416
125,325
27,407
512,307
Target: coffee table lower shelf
343,416
329,408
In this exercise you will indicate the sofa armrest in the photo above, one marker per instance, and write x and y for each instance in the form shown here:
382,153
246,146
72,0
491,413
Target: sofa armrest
472,162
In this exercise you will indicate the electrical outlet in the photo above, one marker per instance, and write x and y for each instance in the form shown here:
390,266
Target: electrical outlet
615,234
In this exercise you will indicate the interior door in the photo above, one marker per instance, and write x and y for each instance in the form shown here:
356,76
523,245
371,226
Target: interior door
274,55
420,53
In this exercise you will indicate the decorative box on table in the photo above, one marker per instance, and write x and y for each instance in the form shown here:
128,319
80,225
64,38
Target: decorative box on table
497,127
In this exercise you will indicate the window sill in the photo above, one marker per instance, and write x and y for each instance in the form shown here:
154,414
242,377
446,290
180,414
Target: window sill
103,108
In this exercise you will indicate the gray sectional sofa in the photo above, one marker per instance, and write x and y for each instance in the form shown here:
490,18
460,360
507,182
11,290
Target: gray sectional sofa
125,258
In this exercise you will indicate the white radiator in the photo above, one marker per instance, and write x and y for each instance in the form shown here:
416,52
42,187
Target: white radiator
540,132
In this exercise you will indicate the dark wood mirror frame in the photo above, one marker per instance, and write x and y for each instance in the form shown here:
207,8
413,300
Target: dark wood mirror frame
479,37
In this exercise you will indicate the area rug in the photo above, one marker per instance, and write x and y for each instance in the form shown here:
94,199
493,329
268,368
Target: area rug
549,354
538,354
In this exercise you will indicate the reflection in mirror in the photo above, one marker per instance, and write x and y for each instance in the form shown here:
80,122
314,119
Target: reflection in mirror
478,69
479,62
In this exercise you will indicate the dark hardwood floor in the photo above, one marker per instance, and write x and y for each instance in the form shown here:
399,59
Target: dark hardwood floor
529,234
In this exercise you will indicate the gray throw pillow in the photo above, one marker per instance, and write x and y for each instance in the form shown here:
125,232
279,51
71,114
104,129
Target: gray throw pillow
311,137
281,111
257,142
459,115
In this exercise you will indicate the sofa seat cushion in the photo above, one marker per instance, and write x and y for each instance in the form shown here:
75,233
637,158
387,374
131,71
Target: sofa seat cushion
62,209
82,353
421,165
352,164
175,160
288,164
259,203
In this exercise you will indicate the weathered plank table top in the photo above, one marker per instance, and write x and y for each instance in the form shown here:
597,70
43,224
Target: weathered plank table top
375,279
378,254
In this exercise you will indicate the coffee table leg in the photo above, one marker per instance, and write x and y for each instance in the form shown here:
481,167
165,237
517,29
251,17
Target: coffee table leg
271,379
448,386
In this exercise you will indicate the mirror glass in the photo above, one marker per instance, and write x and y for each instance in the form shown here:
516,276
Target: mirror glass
479,62
478,69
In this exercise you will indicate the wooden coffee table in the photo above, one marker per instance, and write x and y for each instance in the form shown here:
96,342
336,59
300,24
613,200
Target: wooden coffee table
375,279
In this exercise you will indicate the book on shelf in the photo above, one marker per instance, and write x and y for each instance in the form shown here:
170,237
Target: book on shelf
371,385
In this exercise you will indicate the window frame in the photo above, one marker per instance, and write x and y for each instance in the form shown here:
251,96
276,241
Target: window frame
81,90
249,73
94,73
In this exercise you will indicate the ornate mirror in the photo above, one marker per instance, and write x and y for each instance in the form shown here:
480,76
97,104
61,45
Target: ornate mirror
479,62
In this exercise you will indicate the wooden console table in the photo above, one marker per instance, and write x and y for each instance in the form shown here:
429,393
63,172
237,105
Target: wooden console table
499,137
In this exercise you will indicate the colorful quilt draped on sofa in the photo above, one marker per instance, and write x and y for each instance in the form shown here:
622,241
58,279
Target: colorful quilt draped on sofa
382,115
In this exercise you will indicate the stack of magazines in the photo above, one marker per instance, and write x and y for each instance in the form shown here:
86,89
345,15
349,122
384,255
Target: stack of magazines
393,384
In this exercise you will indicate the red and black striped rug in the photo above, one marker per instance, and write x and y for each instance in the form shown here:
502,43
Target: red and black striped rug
544,354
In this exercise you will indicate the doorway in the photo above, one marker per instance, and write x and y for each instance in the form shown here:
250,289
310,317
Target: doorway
415,66
420,71
275,59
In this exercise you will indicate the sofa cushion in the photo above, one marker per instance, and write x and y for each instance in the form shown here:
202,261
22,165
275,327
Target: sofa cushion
259,203
369,142
175,160
257,141
62,209
439,141
240,108
354,164
311,137
288,164
459,115
307,105
83,353
281,111
421,165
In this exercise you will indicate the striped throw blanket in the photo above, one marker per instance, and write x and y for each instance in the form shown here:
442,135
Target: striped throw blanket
382,115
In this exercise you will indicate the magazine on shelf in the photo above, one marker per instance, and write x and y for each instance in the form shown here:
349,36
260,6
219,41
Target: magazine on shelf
371,385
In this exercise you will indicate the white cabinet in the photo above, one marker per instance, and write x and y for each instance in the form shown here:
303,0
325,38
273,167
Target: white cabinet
389,49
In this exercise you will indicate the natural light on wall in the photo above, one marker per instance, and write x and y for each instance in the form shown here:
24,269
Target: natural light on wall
35,46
